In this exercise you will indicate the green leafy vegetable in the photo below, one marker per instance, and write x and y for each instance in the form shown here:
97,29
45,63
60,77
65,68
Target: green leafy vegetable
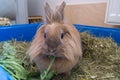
11,63
47,75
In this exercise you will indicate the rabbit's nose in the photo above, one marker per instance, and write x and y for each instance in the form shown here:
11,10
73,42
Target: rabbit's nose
52,51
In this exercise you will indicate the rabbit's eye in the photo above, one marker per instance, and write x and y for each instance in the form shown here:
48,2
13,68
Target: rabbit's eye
44,35
62,35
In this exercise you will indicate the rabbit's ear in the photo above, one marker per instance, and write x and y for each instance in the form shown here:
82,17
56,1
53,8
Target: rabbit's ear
48,13
59,13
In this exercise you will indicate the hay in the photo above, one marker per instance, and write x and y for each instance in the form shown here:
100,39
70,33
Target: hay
101,59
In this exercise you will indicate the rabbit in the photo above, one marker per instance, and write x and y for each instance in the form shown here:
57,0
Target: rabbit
56,38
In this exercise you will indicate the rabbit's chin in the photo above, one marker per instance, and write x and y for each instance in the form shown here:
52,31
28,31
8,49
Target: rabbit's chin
61,64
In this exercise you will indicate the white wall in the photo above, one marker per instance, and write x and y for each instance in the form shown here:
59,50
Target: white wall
36,7
7,8
53,3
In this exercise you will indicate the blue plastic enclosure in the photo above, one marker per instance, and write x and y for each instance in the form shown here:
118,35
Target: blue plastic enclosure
26,32
4,75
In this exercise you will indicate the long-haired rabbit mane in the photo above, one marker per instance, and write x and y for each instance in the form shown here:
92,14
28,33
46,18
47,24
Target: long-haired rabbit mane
56,38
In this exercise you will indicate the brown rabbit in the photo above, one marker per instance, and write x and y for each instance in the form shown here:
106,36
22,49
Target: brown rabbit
58,39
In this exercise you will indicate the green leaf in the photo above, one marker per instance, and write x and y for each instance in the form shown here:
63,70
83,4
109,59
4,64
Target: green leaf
50,75
11,63
17,70
47,75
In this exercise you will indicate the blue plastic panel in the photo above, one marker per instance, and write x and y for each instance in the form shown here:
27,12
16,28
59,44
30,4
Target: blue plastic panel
18,32
114,33
4,75
27,31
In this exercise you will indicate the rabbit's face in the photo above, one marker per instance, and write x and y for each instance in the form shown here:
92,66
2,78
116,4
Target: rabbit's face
54,35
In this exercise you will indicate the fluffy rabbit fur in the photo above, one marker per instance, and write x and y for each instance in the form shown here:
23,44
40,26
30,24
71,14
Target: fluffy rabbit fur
56,38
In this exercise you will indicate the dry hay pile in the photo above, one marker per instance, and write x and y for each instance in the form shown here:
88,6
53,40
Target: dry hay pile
101,60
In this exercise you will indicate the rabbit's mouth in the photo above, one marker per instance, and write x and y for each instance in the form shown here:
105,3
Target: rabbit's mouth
57,57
